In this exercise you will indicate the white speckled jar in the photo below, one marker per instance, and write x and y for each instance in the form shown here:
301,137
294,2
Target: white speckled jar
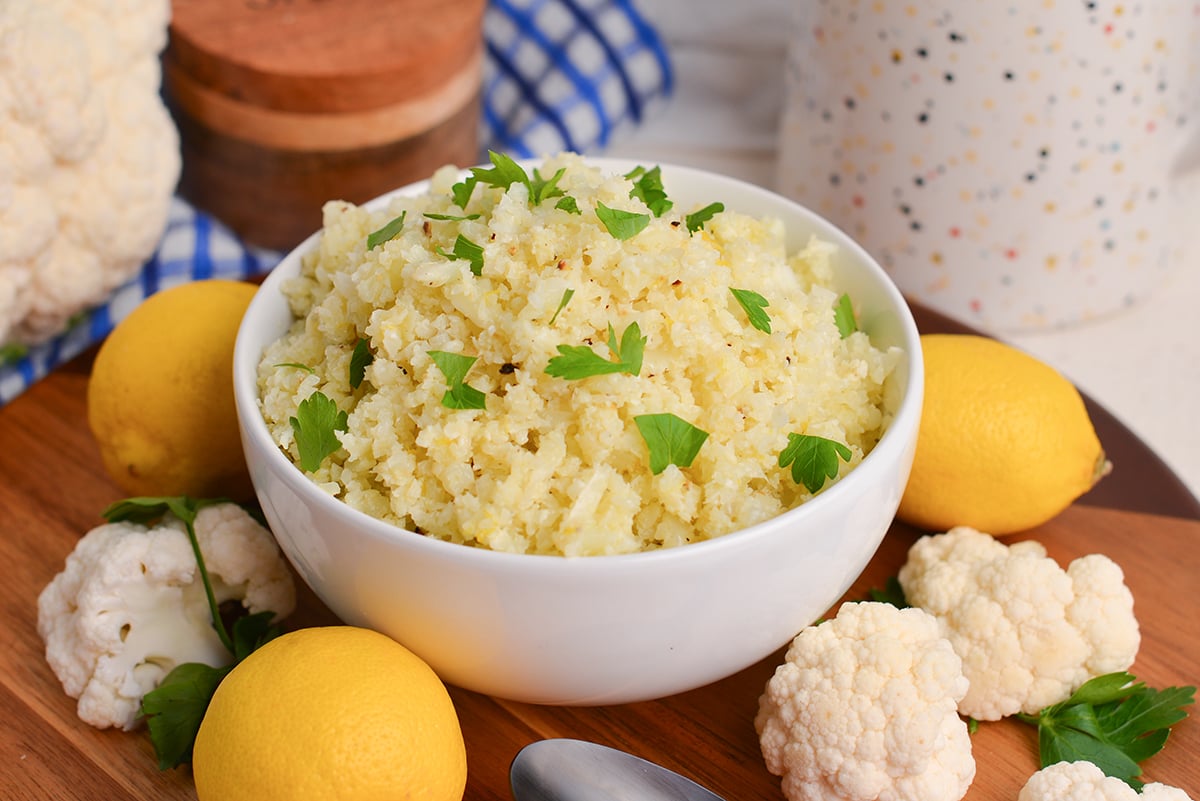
1016,165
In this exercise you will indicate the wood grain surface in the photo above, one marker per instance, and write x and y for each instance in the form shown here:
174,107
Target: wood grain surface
54,489
315,56
282,105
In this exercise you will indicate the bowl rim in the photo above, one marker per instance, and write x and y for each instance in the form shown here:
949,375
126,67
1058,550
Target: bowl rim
907,415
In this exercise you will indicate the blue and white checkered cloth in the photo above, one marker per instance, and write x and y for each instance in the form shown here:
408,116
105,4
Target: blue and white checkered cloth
559,75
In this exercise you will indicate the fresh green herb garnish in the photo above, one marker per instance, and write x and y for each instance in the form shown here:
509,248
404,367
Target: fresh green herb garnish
454,367
542,189
466,250
503,173
813,459
648,188
296,365
892,593
754,304
360,359
579,361
1113,721
569,204
621,224
175,708
696,220
14,352
461,191
670,440
451,217
387,232
317,421
562,304
843,316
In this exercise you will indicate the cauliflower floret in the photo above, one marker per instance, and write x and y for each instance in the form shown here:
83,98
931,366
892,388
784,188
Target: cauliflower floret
1083,781
89,156
129,605
1029,633
864,707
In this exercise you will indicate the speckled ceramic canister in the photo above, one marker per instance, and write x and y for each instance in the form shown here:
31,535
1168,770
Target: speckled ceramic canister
1016,165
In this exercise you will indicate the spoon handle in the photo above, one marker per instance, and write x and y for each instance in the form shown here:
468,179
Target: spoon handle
560,769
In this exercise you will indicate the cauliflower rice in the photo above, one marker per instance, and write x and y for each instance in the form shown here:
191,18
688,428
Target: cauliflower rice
551,465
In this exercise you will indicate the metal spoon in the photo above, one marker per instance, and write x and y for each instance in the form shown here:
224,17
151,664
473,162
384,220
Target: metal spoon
575,770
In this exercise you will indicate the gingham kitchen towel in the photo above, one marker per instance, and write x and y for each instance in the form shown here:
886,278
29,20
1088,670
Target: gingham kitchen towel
568,74
560,75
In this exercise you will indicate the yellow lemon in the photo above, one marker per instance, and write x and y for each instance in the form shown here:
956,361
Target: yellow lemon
1005,441
160,396
334,713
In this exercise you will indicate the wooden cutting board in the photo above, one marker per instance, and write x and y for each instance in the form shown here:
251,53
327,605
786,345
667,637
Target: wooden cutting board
53,489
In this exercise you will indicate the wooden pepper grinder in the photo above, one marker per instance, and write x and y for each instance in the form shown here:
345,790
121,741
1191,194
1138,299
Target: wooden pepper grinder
283,105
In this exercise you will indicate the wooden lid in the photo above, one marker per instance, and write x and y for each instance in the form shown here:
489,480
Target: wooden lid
324,56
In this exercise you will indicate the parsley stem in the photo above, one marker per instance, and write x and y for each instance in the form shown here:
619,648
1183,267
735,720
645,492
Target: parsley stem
213,607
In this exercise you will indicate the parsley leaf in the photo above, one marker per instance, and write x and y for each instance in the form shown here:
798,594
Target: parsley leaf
13,352
632,346
579,361
892,593
316,421
296,365
359,361
562,304
451,217
454,367
754,304
696,220
503,173
542,189
648,188
568,203
813,459
175,709
386,233
461,191
621,224
1113,721
843,316
467,250
670,439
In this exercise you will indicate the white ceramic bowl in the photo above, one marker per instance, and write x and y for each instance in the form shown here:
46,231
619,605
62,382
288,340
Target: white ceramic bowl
606,629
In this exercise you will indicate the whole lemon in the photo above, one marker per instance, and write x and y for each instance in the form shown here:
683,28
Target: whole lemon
1005,441
160,397
335,713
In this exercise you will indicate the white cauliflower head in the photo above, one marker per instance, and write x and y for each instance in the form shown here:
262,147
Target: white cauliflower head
129,605
1029,633
1083,781
89,156
864,707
